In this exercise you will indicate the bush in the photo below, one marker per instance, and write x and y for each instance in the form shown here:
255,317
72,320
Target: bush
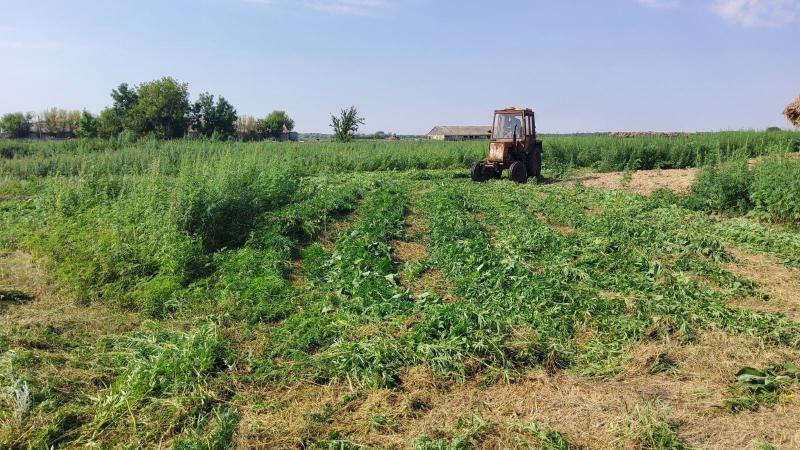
724,187
775,191
15,125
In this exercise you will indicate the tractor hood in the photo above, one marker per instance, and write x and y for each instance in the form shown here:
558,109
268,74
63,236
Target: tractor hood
498,151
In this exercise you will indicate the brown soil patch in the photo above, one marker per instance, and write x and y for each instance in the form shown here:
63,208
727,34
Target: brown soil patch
409,251
642,181
560,229
415,225
646,181
591,413
327,238
782,283
434,282
297,277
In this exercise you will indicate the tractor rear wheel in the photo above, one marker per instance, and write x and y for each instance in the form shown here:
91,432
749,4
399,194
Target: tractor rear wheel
477,172
534,162
517,172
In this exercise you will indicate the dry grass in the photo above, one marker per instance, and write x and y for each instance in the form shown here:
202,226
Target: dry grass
415,225
409,251
435,282
327,239
431,280
641,182
297,276
46,327
782,283
50,307
792,111
591,413
558,228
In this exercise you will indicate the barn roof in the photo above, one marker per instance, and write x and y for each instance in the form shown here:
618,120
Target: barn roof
461,131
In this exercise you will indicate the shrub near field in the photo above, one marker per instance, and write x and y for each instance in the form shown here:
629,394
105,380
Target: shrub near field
775,190
770,190
226,280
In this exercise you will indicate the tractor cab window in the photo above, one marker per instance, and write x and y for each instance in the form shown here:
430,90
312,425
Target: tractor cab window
506,126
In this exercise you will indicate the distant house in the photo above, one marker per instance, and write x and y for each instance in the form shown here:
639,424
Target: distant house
287,135
460,133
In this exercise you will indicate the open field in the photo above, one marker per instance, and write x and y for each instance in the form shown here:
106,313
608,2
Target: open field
191,294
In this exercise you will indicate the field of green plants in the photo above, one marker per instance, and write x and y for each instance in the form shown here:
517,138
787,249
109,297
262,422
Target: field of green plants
207,295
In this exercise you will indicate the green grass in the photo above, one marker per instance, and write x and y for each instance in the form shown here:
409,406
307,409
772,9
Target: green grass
276,267
604,153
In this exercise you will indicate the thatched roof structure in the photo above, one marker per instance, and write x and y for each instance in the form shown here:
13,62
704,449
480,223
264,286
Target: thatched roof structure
792,112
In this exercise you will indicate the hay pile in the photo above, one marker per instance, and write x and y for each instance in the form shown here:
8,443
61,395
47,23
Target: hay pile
792,112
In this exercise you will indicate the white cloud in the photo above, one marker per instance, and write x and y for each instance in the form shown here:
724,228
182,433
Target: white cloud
748,13
346,7
753,13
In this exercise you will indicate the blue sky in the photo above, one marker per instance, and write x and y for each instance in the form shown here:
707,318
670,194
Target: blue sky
591,65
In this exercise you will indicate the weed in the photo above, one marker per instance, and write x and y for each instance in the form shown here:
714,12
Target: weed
645,430
23,401
544,438
754,387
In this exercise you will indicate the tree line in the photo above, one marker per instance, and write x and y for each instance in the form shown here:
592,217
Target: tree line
162,109
159,108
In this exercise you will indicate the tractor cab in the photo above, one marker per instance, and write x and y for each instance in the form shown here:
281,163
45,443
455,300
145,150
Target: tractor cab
513,146
510,124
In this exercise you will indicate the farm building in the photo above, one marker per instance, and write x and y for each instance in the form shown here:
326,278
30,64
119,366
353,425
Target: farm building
460,133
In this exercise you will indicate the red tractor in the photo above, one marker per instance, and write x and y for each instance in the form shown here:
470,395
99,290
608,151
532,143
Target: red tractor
513,146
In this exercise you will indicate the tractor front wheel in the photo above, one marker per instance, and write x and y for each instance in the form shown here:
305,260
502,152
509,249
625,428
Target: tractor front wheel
477,172
517,172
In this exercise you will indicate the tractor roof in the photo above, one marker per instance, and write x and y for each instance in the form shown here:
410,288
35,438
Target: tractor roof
513,110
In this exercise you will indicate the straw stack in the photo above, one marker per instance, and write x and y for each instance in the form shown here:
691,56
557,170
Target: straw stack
792,112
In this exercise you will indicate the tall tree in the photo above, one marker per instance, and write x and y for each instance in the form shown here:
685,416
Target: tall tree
124,99
73,117
113,120
60,122
16,125
161,109
210,118
246,128
273,125
346,125
87,125
109,124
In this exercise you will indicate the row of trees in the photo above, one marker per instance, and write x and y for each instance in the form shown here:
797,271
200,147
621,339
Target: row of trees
159,108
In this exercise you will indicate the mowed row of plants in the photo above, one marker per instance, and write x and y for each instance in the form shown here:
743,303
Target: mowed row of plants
209,249
598,152
222,258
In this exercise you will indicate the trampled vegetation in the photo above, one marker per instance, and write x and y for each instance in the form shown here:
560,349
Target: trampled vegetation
197,294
